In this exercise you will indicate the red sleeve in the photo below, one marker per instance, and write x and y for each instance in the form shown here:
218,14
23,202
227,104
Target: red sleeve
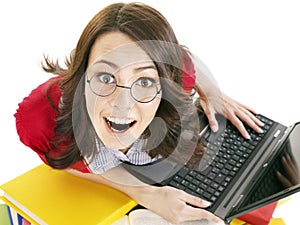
35,120
188,72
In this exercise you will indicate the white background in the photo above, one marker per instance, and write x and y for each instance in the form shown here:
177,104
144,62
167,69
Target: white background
251,47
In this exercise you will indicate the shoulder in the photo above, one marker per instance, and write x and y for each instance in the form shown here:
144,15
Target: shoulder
36,120
35,116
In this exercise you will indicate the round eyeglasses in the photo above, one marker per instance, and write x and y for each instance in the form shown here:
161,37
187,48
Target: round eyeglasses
144,89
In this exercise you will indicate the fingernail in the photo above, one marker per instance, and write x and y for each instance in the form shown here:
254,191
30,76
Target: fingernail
206,203
248,136
260,123
215,128
278,173
283,159
260,130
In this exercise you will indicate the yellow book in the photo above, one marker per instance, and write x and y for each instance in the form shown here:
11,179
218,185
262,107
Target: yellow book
238,222
54,197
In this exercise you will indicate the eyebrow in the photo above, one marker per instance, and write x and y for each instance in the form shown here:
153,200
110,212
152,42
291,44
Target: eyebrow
111,64
139,69
115,66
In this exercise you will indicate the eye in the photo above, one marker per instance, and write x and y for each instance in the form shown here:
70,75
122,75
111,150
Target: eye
105,78
145,82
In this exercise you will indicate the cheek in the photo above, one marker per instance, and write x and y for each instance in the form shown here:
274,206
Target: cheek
148,112
94,106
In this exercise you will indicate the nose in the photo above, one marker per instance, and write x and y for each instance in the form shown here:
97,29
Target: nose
122,98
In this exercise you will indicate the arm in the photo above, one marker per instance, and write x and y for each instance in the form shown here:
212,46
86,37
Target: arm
168,202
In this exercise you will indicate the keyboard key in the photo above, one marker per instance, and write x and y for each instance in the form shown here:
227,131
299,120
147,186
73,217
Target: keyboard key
220,178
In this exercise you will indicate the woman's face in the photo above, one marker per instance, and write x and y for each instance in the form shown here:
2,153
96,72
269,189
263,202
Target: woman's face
117,117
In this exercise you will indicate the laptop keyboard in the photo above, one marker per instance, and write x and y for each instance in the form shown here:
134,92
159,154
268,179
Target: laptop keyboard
221,158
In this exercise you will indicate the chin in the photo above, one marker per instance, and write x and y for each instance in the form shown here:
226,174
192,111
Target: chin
118,145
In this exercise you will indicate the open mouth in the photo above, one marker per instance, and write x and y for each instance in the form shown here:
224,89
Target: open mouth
119,124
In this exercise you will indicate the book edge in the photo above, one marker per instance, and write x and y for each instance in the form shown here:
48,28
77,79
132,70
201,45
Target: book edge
34,220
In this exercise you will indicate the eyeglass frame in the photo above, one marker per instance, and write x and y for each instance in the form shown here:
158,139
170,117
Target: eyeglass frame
122,86
193,91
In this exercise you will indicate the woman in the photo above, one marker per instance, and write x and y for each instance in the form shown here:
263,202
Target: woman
125,95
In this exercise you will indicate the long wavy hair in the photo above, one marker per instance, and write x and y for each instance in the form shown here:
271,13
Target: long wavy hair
141,23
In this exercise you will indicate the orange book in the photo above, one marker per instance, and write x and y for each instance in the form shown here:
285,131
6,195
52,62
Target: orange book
47,196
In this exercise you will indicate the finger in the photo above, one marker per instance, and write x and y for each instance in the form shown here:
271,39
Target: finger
291,162
252,116
239,108
193,213
195,201
285,182
287,166
249,119
193,210
210,114
213,123
290,168
238,124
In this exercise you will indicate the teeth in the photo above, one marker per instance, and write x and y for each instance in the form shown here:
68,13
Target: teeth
119,120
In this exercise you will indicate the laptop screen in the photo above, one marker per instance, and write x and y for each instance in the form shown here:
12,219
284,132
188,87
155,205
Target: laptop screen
281,176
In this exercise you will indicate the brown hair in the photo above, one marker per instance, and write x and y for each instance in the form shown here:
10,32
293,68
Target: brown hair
141,23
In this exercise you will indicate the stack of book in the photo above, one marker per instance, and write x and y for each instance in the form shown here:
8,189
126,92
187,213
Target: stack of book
47,196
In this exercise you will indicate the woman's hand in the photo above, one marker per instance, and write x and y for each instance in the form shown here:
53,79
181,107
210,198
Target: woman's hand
175,205
234,111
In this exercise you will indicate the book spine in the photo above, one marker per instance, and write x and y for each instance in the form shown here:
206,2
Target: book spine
5,217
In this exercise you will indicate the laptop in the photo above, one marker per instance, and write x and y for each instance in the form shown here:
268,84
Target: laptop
234,174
